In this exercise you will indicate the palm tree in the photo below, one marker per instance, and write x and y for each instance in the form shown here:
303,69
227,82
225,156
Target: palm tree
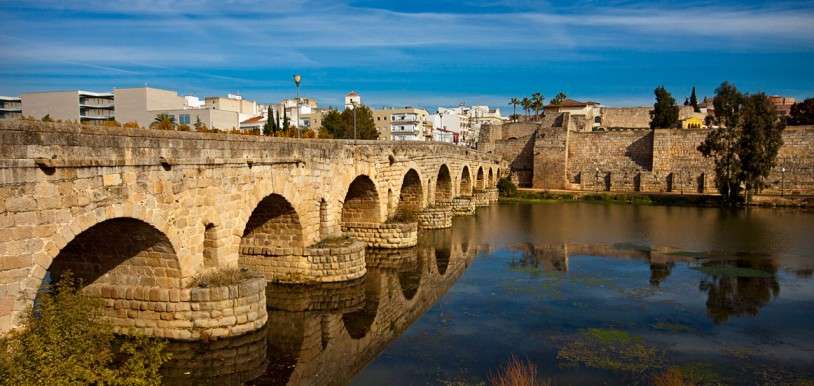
537,103
163,122
526,102
514,102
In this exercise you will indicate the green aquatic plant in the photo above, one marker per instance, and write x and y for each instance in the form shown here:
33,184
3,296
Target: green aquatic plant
611,349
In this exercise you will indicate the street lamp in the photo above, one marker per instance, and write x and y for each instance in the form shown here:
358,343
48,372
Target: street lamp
782,180
353,105
297,80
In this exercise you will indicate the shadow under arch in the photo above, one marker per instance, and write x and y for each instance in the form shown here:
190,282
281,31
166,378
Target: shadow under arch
361,204
479,179
466,182
410,195
274,223
443,185
359,322
121,251
491,179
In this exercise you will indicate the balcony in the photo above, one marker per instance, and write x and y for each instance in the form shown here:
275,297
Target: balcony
88,113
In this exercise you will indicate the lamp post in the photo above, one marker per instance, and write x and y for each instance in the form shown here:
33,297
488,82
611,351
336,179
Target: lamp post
353,105
297,80
782,180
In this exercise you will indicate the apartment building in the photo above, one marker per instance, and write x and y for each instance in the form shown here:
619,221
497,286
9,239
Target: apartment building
403,124
245,108
11,107
77,105
143,104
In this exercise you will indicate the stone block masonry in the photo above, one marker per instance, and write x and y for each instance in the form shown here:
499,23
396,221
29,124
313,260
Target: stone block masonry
306,265
395,235
436,217
463,206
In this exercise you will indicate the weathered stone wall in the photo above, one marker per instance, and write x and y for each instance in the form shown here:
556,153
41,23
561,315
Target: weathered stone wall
626,117
436,216
463,206
394,235
197,190
592,155
338,262
550,158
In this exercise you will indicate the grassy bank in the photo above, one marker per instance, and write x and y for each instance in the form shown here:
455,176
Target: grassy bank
544,196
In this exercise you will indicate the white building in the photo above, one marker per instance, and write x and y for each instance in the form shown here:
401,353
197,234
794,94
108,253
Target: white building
463,123
352,99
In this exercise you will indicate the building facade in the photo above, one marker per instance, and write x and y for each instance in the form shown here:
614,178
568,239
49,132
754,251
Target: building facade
77,105
11,107
403,124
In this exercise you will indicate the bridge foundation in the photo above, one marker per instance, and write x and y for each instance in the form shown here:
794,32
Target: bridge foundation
375,235
436,216
463,206
339,261
480,198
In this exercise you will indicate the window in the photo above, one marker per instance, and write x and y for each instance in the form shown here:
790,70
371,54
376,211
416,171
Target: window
183,119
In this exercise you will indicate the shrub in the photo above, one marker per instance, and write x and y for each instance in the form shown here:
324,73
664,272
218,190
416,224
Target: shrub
506,187
517,373
65,341
131,125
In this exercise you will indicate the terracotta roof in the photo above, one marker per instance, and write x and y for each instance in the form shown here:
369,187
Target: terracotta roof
571,103
256,119
352,93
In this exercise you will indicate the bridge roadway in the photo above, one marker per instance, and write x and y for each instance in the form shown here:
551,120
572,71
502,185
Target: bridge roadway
139,215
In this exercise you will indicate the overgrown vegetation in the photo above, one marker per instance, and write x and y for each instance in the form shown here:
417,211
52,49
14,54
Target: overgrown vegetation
222,277
611,349
65,341
340,125
506,188
518,373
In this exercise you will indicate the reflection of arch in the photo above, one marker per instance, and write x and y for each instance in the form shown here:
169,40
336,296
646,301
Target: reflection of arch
466,182
274,223
358,323
442,259
410,195
361,202
410,280
479,180
121,251
491,179
443,185
286,335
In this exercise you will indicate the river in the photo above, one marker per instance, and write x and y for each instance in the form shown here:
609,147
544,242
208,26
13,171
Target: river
587,293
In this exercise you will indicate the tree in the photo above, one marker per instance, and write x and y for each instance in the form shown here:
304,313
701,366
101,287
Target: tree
694,101
665,111
286,122
559,98
802,113
163,122
537,102
268,127
332,124
340,125
66,341
526,103
744,141
514,101
686,101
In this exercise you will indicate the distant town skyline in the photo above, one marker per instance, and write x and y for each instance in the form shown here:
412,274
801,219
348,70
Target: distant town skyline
423,53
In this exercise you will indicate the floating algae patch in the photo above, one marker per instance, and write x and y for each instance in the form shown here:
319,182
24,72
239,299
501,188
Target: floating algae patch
611,349
690,374
673,327
724,270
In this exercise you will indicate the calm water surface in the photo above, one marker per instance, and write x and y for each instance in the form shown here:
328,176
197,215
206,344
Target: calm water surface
590,293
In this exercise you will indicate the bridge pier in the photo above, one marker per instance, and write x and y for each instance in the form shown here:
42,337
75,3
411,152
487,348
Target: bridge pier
437,216
492,195
463,206
393,235
344,260
480,198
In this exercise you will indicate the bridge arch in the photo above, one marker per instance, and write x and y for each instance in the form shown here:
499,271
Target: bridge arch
120,251
359,322
443,185
491,179
465,188
480,179
361,204
274,223
411,195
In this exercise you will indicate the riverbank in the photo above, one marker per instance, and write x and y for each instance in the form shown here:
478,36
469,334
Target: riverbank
527,195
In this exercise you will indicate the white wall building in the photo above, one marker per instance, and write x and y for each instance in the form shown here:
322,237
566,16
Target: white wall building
352,98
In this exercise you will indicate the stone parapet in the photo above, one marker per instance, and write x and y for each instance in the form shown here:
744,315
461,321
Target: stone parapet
184,313
463,206
436,217
480,198
345,261
375,235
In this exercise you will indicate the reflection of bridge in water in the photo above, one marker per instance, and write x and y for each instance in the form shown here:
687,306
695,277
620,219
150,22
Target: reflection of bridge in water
324,334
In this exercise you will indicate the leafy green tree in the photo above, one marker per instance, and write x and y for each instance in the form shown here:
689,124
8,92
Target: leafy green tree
537,103
67,342
268,128
286,122
665,111
559,98
340,125
802,113
332,124
163,122
744,141
694,101
514,101
686,101
506,188
526,103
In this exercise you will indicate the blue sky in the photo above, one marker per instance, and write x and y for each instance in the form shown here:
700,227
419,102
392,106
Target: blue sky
424,53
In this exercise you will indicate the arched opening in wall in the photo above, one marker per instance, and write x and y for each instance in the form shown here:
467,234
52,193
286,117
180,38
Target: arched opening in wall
442,259
358,322
479,179
409,197
361,202
669,182
273,224
443,185
121,251
701,183
210,258
466,182
323,219
491,179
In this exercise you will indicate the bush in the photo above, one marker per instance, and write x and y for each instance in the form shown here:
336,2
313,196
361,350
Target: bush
65,341
506,187
518,373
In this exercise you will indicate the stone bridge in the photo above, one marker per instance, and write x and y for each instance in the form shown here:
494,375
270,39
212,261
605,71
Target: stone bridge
140,215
